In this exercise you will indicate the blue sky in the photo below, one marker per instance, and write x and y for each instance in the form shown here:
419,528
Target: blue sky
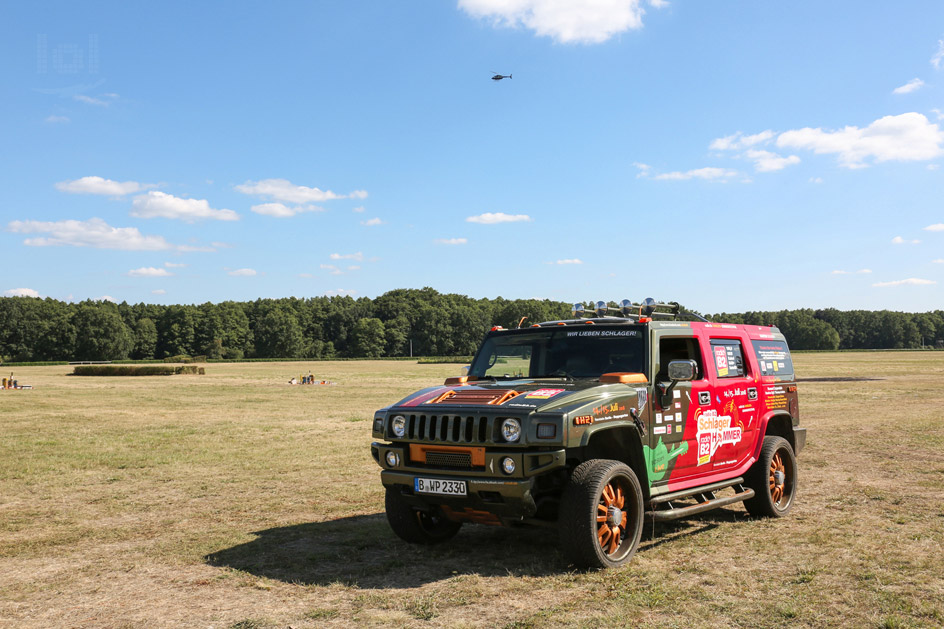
729,155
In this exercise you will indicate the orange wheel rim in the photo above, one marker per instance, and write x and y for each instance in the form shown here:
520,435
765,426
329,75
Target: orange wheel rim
611,519
776,465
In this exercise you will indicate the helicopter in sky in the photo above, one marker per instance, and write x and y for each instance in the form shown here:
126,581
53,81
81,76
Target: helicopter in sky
499,77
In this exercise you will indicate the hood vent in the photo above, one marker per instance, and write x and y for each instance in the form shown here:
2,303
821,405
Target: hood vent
474,396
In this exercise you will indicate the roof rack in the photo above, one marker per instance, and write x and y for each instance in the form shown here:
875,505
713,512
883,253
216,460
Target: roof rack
643,312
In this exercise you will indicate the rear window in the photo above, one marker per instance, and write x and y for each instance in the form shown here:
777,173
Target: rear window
773,358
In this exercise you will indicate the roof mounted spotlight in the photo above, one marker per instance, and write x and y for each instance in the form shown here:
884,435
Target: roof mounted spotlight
577,311
648,307
600,309
626,307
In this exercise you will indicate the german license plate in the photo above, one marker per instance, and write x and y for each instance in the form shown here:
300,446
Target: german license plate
439,486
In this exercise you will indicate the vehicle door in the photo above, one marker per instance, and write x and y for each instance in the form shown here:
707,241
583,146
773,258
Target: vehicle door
725,422
671,446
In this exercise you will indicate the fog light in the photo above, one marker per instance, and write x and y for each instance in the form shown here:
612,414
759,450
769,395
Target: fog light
547,431
393,459
508,465
399,425
511,429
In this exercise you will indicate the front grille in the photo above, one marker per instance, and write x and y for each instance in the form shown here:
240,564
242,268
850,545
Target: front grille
449,459
450,429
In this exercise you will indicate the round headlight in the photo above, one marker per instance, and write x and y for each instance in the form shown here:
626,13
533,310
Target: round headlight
508,465
511,429
392,459
399,425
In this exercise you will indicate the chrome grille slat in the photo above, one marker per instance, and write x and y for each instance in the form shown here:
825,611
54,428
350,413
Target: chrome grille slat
464,429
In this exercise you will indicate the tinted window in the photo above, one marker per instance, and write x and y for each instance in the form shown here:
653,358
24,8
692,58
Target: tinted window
728,359
773,357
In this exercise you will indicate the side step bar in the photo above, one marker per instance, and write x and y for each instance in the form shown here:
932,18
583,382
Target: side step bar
705,493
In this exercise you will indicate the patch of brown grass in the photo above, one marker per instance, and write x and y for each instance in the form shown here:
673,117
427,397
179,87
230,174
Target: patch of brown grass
234,500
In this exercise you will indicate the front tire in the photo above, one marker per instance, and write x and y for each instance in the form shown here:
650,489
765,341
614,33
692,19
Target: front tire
601,514
414,526
773,478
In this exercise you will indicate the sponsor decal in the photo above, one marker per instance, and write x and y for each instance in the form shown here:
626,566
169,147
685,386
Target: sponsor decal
658,418
714,431
606,409
735,392
642,398
543,394
604,333
678,417
583,420
775,398
676,394
721,361
704,397
678,405
752,394
658,430
668,429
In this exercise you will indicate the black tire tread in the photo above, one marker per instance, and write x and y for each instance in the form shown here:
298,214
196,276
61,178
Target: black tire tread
404,522
757,478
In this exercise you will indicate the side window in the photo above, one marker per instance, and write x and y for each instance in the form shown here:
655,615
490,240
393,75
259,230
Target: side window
728,358
773,358
679,349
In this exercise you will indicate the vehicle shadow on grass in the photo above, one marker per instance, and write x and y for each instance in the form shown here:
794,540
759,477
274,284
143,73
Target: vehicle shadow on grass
363,551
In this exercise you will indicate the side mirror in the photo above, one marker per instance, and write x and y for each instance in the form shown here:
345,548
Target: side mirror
682,370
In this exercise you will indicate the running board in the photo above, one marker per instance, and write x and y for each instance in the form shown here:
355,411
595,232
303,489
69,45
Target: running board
708,500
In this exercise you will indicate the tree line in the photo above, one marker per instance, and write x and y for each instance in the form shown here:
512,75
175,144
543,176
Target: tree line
403,322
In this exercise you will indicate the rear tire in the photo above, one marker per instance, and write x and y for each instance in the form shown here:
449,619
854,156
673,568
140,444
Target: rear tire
773,478
414,526
601,514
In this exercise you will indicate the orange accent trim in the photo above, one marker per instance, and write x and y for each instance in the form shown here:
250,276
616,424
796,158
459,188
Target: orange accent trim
475,396
561,323
471,515
459,380
590,322
645,319
624,377
535,325
418,453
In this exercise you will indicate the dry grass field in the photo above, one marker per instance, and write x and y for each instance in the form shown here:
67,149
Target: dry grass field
233,500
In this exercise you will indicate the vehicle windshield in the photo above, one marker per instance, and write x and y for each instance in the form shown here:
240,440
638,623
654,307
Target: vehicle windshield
561,352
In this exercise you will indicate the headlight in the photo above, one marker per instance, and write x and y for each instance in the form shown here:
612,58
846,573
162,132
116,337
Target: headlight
393,459
399,425
508,465
511,429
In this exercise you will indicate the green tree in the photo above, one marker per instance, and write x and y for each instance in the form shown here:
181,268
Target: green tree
145,339
101,334
278,334
368,338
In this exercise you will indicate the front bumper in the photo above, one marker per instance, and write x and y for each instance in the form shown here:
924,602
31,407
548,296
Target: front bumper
488,489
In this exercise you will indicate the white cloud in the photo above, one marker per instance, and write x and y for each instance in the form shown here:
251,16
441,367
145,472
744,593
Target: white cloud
91,233
354,268
938,261
933,166
938,113
104,101
21,292
570,261
740,141
491,218
451,241
906,137
340,292
195,248
348,256
149,271
898,240
372,222
937,227
939,55
243,273
644,169
765,161
590,21
160,204
708,173
53,119
911,281
864,271
816,180
285,190
280,210
359,208
840,272
333,269
658,4
175,265
859,272
98,185
106,298
158,291
910,86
